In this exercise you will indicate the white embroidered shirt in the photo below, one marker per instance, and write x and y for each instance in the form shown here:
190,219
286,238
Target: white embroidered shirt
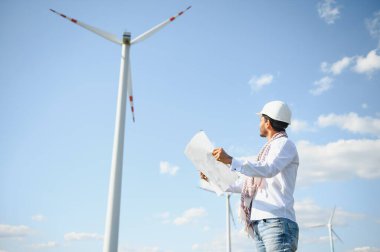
279,169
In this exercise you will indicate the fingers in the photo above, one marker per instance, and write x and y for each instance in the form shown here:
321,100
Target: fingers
217,151
204,177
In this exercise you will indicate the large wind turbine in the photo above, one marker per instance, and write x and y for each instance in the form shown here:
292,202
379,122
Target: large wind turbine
125,88
331,230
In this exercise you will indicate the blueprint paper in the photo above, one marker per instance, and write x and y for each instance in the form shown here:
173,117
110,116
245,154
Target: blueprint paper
209,186
199,151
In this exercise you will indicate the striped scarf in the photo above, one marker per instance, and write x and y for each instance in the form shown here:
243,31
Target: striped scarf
251,185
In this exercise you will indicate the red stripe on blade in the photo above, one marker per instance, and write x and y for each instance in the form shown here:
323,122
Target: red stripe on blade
171,19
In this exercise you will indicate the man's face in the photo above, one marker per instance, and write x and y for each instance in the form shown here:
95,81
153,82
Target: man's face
263,127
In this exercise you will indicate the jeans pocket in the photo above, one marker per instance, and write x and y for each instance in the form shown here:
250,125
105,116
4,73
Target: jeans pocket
293,232
292,227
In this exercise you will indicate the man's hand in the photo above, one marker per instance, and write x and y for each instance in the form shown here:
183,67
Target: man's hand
222,156
204,177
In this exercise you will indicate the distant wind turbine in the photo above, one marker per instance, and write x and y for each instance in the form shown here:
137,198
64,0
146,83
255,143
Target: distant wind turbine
329,226
211,188
125,88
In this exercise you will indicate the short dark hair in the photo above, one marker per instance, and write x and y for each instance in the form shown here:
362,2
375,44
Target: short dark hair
276,125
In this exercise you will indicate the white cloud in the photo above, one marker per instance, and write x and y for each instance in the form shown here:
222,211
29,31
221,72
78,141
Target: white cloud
322,85
352,122
373,25
195,246
340,65
38,217
50,244
75,236
299,125
367,64
366,249
9,231
166,168
190,215
328,11
338,160
309,214
258,82
337,67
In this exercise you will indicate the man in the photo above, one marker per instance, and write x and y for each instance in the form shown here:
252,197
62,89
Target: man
267,185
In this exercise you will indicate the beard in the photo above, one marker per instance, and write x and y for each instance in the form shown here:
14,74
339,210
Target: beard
263,132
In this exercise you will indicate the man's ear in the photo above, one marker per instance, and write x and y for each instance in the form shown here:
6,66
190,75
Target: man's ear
268,125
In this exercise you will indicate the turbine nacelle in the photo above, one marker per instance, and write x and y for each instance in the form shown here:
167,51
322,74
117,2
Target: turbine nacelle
127,38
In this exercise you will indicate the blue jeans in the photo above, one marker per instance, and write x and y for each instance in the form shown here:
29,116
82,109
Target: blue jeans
275,235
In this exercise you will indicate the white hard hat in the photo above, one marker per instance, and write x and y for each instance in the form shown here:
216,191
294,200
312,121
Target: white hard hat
277,110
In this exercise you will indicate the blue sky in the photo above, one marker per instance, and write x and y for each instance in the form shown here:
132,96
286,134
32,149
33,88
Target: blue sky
212,69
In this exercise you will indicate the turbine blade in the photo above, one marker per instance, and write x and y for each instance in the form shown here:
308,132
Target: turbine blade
208,186
336,235
104,34
332,215
130,91
156,28
317,226
204,185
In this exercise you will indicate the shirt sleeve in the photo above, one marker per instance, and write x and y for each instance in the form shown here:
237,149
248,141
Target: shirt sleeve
236,187
283,156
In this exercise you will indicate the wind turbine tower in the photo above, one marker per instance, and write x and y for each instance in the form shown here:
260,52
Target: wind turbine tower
228,224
